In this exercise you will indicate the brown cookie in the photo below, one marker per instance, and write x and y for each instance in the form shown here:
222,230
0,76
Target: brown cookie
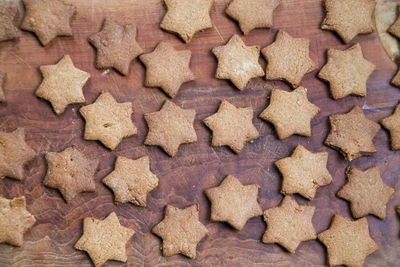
252,14
392,124
14,154
131,180
62,84
232,126
186,18
170,127
48,19
3,77
347,72
108,121
290,112
352,134
395,28
289,224
104,239
288,59
181,231
348,242
238,62
396,79
167,68
8,22
15,220
116,46
304,172
70,172
349,18
233,202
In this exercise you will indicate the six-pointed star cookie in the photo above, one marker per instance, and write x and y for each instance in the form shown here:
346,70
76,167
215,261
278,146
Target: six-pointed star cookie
70,172
108,121
167,68
348,18
116,46
290,112
348,242
8,29
289,224
252,14
352,134
48,19
347,72
238,62
14,153
15,220
104,239
233,202
367,192
288,59
232,126
131,180
304,172
3,77
170,127
392,124
185,18
62,84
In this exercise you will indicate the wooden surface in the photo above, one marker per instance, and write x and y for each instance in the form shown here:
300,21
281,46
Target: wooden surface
197,166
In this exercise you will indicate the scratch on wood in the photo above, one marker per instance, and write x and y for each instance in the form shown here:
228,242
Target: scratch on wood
216,29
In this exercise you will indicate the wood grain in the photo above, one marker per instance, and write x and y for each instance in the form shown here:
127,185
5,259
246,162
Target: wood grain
197,166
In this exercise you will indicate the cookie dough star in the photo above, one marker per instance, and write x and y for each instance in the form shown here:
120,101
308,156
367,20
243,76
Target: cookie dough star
181,231
8,19
289,224
167,68
108,121
185,18
116,46
304,172
15,220
48,19
70,172
131,180
232,126
392,124
170,127
104,239
233,202
348,242
3,77
238,62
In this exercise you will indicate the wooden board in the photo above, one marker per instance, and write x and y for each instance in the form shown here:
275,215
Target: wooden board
197,166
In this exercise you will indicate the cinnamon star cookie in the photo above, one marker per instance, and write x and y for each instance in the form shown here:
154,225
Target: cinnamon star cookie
8,21
392,124
3,77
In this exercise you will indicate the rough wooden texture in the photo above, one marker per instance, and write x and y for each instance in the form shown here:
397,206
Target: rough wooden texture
197,166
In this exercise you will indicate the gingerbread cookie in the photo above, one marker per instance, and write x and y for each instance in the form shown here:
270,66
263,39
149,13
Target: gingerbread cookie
3,77
8,21
290,112
395,28
181,231
238,62
392,124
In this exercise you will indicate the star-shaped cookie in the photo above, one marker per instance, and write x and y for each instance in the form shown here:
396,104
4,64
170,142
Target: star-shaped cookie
288,59
185,18
104,239
233,202
352,134
131,180
392,124
395,28
116,46
396,79
15,220
170,127
304,172
62,84
8,20
181,231
232,126
290,112
252,14
108,121
167,68
48,19
289,224
3,77
367,192
14,154
347,72
349,18
238,62
348,242
70,172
